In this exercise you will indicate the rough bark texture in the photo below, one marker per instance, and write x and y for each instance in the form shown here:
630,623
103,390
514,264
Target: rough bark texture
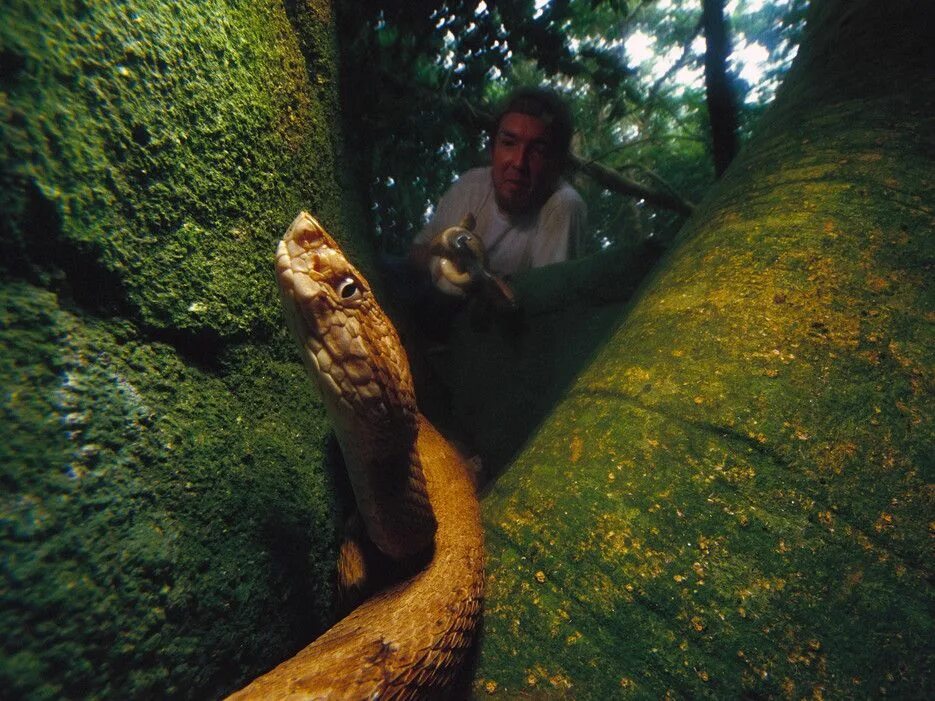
166,526
735,497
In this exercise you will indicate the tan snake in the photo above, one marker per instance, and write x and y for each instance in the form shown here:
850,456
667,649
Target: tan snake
413,491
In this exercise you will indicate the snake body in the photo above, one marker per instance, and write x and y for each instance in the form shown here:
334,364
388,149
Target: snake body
412,488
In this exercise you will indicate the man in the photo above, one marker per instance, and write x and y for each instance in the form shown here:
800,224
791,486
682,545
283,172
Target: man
526,215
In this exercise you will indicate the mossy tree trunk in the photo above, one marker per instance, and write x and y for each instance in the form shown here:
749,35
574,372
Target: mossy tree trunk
735,497
166,526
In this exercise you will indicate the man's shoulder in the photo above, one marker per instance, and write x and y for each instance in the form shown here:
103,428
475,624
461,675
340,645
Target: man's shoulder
468,193
475,177
565,197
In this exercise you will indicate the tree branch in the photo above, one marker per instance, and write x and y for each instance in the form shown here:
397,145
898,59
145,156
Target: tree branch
612,180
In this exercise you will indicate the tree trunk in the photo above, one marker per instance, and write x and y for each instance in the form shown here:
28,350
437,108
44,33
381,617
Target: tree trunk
735,497
720,94
165,524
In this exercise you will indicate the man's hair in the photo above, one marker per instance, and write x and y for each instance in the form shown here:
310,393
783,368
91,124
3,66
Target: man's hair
546,105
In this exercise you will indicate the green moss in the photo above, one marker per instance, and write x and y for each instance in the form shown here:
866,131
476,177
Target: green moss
167,521
171,141
163,513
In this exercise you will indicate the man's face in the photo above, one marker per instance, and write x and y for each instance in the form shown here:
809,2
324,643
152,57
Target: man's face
524,168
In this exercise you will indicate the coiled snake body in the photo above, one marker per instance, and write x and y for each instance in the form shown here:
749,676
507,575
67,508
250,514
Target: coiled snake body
413,492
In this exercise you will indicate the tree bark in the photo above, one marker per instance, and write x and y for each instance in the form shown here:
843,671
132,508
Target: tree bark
734,497
165,521
720,93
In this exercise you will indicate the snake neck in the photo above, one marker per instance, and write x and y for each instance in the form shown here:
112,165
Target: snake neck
389,485
355,358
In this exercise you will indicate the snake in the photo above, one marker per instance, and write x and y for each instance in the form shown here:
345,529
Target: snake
413,491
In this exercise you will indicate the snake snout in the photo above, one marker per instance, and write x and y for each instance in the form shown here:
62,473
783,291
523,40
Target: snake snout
305,231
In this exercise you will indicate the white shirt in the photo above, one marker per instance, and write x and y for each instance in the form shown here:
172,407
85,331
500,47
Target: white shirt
513,244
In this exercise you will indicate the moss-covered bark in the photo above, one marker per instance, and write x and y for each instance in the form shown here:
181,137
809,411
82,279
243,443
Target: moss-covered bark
166,525
735,497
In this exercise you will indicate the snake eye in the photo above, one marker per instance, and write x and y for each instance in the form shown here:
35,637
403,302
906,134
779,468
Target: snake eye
348,288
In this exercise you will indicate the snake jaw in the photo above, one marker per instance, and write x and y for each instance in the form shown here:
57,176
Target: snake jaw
324,294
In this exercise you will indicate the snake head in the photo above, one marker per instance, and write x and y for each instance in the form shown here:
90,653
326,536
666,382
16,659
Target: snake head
350,347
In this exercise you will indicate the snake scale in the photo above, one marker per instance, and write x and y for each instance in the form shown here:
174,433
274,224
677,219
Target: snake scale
413,491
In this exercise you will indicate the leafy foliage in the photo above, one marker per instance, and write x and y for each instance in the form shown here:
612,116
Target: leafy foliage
415,72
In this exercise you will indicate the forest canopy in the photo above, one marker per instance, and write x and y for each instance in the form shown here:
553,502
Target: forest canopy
633,72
